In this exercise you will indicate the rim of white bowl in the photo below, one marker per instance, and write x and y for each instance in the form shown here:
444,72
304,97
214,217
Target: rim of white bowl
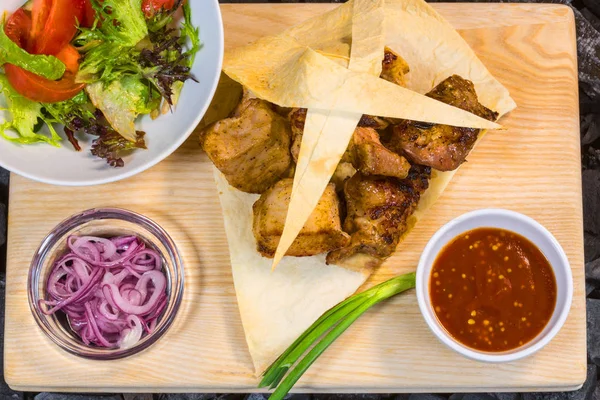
559,315
166,152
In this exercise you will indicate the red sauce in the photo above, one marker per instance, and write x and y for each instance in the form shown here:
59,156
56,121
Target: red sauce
492,289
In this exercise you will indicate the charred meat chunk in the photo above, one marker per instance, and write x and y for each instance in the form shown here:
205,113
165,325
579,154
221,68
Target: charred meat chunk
365,151
321,233
442,147
297,118
251,148
394,67
370,157
460,93
378,209
369,121
344,171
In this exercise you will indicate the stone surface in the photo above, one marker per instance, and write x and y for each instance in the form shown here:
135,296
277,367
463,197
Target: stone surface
592,245
595,21
588,51
65,396
593,322
593,6
472,396
187,396
592,272
424,396
507,396
2,224
138,396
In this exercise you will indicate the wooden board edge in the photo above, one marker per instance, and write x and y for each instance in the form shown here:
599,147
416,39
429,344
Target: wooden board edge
547,12
160,389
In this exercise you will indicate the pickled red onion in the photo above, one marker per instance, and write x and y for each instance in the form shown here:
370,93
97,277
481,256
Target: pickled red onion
112,291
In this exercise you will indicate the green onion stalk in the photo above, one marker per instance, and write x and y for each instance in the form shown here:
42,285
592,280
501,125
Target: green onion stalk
293,363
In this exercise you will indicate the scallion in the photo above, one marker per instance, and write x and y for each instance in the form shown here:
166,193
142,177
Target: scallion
320,335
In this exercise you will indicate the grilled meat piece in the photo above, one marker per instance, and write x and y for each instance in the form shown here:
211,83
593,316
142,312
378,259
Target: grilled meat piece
365,151
460,93
251,148
321,233
344,171
442,147
378,209
297,118
369,156
394,68
369,121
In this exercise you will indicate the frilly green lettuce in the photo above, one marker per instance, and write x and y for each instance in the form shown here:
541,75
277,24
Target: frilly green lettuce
25,116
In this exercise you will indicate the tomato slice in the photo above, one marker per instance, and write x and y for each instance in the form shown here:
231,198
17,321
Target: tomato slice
151,7
36,88
39,15
18,26
60,26
89,14
70,57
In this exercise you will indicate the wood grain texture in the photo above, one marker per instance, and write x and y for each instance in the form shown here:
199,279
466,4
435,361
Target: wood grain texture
532,167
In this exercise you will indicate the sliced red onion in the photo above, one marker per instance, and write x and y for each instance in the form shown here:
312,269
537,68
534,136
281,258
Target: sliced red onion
91,252
159,281
80,294
104,310
123,241
112,291
131,335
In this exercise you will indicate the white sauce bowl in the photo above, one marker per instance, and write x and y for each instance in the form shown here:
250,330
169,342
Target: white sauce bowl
524,226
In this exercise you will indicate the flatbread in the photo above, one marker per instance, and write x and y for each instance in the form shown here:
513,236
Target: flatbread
310,65
276,307
327,133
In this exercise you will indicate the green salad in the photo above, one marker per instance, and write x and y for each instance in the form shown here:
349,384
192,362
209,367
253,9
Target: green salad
119,59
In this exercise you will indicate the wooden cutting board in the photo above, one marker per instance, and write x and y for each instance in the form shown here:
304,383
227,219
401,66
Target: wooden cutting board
532,167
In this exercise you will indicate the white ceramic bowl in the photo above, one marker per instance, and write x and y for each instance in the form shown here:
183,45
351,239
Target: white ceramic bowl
524,226
65,166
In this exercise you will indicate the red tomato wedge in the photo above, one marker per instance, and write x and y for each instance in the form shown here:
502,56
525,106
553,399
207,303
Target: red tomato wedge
36,88
18,26
39,15
60,25
151,7
70,57
89,14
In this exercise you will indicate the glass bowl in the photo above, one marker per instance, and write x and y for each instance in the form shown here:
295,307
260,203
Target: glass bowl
103,222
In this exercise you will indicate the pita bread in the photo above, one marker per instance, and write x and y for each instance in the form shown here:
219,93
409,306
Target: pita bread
329,65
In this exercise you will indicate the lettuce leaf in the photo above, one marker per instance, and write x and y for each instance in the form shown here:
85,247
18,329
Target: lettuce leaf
48,67
81,117
109,47
121,102
189,31
123,21
65,112
25,116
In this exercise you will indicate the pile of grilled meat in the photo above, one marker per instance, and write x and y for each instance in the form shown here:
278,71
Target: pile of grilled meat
365,209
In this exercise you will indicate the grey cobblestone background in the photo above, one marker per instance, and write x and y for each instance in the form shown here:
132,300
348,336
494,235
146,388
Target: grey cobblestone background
587,13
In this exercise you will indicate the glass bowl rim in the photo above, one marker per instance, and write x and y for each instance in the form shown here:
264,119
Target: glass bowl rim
58,233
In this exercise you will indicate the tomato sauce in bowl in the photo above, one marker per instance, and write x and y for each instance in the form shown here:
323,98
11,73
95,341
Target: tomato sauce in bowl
492,290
